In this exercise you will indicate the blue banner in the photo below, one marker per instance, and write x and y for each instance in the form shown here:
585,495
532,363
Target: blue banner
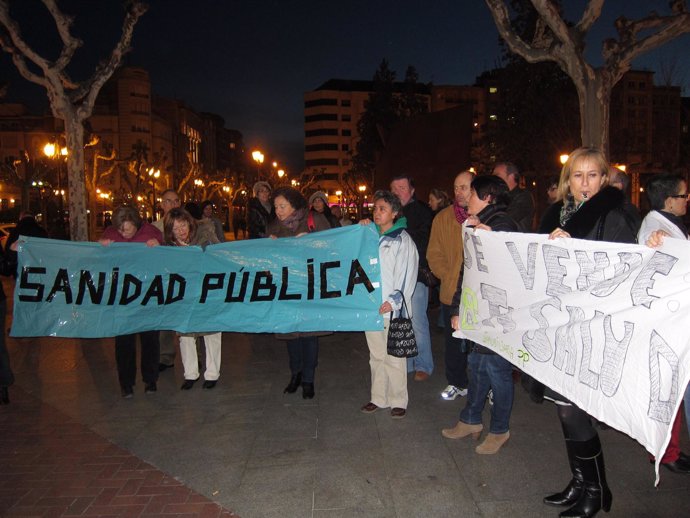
326,281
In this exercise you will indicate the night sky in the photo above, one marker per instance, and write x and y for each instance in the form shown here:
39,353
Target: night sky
251,61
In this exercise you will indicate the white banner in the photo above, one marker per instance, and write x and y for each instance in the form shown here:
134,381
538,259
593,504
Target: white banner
604,324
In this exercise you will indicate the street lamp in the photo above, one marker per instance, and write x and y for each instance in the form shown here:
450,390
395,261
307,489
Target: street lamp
154,174
198,183
563,158
258,157
54,152
362,189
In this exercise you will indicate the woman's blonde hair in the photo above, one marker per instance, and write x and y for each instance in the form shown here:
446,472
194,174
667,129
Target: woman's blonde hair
592,154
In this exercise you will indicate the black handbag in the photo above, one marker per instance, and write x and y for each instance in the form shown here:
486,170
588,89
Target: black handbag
401,340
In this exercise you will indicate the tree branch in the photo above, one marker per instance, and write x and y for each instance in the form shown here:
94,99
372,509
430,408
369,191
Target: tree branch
591,15
63,24
103,72
515,43
13,43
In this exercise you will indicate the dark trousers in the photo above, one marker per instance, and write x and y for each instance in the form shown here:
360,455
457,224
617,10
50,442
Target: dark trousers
6,376
126,357
456,352
304,356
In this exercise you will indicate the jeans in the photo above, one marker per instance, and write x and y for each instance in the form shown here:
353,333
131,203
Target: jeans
489,371
456,352
304,356
424,361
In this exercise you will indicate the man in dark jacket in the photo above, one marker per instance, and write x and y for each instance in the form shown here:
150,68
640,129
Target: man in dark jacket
419,218
520,204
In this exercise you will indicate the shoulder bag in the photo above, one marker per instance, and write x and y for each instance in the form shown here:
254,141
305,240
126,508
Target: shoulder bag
401,340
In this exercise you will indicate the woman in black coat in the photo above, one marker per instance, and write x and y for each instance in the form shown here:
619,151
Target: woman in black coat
587,208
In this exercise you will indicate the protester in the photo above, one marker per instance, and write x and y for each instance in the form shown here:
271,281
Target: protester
26,226
128,227
438,200
318,202
445,256
260,210
398,260
293,219
168,339
419,218
487,208
182,229
521,203
587,208
208,217
552,189
342,218
6,374
668,199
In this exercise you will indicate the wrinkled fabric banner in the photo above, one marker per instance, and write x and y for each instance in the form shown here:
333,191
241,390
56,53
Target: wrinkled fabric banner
603,324
326,281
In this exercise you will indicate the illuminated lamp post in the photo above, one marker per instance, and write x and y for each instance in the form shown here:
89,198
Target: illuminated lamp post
258,157
154,174
362,189
54,152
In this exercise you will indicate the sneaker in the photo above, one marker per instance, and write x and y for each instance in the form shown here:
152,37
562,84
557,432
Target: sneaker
126,391
451,392
150,388
490,396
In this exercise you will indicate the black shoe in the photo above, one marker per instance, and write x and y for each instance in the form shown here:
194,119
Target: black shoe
307,390
295,382
4,396
127,392
680,465
150,388
163,366
209,384
188,384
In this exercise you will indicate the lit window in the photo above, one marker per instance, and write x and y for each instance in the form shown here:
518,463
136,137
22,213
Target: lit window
493,89
493,117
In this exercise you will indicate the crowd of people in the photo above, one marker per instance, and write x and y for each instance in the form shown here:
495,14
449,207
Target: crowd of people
420,248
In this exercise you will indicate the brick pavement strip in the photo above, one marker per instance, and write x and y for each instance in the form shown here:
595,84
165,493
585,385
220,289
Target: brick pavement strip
54,466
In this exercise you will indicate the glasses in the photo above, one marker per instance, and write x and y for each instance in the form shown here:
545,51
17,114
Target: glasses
679,196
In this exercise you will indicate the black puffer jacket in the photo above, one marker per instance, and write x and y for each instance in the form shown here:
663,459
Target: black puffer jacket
603,218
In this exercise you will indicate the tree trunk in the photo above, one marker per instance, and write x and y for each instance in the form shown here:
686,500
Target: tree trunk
594,94
74,134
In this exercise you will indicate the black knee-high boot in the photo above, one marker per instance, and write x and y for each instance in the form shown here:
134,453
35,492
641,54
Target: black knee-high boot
596,494
575,487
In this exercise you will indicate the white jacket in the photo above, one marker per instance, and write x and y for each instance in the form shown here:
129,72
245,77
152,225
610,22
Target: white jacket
654,220
399,263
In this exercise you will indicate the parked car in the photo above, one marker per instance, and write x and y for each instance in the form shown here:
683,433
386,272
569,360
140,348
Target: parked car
5,232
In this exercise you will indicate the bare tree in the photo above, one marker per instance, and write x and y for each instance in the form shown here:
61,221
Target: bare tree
556,40
70,101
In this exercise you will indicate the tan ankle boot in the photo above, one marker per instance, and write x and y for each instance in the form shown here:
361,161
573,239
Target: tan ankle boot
463,430
492,443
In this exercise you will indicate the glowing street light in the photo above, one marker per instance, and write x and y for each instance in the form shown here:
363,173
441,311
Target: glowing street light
563,158
258,157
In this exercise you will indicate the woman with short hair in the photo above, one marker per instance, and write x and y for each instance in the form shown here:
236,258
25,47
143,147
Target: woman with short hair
293,219
181,229
399,260
128,227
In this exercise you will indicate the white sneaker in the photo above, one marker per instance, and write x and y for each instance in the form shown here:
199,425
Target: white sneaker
451,392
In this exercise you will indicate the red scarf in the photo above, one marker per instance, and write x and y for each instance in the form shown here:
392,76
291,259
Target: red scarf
460,213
